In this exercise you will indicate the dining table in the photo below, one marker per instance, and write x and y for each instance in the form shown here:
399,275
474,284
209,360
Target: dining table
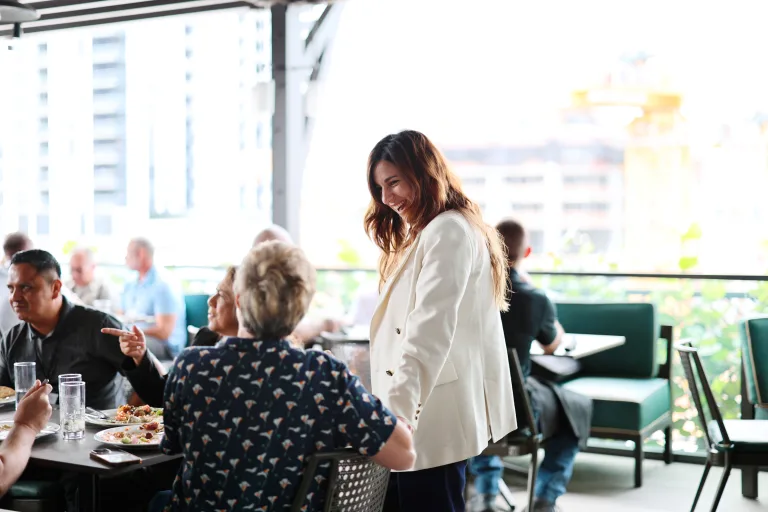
53,452
352,347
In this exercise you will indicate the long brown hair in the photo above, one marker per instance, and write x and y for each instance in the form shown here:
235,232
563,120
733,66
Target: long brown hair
436,190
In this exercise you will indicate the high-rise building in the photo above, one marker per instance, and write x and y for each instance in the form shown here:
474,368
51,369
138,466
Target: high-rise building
144,128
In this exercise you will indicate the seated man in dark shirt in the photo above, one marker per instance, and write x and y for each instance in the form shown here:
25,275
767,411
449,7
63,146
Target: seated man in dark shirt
248,413
563,418
60,337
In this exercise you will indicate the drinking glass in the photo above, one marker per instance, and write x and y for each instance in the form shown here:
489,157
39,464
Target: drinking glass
24,379
72,409
70,377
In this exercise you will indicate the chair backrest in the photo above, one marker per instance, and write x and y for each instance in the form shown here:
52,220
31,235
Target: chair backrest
520,394
689,356
355,483
197,310
754,353
637,322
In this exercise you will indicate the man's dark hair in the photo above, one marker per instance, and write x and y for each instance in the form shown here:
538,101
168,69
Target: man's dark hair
513,234
41,260
16,242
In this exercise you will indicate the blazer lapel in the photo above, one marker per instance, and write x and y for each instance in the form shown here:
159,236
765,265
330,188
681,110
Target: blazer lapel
384,295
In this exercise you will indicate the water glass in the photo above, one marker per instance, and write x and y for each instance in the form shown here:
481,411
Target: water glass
23,378
72,409
70,377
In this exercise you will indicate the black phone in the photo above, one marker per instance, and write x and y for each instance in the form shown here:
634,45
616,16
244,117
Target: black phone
114,457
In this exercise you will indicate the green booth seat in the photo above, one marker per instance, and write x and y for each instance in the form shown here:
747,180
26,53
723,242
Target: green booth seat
754,353
631,391
35,496
197,312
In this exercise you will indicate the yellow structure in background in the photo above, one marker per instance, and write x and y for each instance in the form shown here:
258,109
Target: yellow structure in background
658,175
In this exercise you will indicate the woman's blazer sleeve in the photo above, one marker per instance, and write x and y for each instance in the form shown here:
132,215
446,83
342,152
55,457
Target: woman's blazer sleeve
430,326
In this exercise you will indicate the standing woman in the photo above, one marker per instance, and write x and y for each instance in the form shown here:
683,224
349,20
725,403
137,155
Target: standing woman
438,357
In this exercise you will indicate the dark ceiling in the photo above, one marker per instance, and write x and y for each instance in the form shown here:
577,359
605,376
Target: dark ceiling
63,14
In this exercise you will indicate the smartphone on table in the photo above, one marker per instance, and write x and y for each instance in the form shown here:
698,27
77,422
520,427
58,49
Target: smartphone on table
114,457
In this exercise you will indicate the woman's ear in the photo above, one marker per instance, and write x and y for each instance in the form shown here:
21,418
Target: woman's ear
237,300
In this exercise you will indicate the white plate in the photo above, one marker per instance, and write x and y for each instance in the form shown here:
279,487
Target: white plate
7,400
50,429
103,438
93,420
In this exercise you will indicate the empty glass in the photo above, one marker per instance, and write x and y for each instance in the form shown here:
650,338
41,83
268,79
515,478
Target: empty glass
72,409
70,377
23,378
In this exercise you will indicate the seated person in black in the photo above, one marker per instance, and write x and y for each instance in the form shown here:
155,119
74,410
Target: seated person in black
145,373
563,417
59,336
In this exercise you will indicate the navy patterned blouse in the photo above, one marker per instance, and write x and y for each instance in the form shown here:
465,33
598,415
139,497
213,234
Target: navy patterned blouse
247,414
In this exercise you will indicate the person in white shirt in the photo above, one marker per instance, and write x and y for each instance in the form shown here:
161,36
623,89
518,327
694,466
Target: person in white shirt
89,287
438,357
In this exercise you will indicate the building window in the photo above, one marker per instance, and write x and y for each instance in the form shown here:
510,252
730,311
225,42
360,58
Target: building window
474,180
43,123
24,223
45,198
43,98
524,180
527,207
109,40
42,48
102,225
586,207
44,173
43,149
105,66
586,180
43,224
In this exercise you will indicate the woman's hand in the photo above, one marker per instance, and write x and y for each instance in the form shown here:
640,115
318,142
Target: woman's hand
34,409
408,425
132,343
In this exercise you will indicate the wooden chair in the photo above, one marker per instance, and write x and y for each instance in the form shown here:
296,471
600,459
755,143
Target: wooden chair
523,441
355,482
732,443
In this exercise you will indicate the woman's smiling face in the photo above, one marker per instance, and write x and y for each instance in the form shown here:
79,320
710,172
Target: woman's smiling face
395,191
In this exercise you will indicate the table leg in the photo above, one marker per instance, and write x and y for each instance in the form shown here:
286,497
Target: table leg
89,494
748,475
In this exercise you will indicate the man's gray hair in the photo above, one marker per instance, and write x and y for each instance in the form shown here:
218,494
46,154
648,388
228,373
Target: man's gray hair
85,251
145,244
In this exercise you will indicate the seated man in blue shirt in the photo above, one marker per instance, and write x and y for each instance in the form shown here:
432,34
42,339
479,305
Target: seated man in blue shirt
563,417
248,413
153,303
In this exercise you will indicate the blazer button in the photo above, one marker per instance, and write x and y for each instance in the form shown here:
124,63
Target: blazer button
390,373
397,330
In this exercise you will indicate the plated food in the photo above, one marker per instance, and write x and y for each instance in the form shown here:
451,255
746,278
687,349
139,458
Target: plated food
6,426
145,435
7,394
127,415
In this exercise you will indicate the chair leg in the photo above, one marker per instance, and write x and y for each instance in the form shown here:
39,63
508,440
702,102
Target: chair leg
721,487
707,467
668,445
639,461
532,472
749,482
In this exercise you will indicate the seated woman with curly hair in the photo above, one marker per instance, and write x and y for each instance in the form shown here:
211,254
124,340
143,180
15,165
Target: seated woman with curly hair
247,413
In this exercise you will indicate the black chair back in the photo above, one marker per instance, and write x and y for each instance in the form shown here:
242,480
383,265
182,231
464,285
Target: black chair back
691,360
355,482
520,392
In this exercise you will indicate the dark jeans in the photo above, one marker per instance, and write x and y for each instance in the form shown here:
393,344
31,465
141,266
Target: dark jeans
554,473
439,489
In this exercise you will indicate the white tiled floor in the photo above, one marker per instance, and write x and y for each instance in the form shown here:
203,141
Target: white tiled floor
603,483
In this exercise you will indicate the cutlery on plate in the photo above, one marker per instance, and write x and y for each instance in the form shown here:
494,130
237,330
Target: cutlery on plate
90,411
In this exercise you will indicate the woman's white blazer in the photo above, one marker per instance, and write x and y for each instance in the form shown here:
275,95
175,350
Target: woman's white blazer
438,356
